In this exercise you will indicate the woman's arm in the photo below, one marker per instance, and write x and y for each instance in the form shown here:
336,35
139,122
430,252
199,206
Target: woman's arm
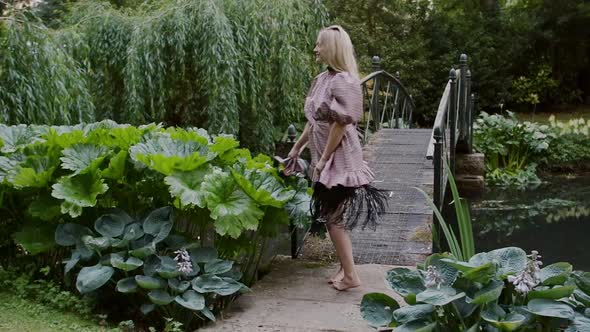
296,149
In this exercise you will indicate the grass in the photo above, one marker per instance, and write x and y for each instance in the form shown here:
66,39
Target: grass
21,315
560,115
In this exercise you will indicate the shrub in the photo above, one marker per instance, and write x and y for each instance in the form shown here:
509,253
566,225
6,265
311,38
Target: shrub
500,290
221,194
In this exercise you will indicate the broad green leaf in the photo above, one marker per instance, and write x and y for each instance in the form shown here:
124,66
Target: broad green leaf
412,313
550,308
416,326
7,166
168,268
178,286
510,261
91,278
583,281
109,225
186,186
298,206
232,210
160,297
16,137
133,232
82,158
554,293
45,208
80,191
167,155
191,300
482,274
159,223
198,135
214,284
489,293
126,265
36,171
438,296
150,265
116,168
579,323
377,309
69,234
555,274
262,187
36,237
149,282
223,143
143,252
405,281
218,266
97,244
127,285
447,272
207,313
511,322
203,255
120,137
582,297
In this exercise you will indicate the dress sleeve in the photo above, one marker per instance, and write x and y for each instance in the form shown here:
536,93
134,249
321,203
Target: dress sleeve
346,106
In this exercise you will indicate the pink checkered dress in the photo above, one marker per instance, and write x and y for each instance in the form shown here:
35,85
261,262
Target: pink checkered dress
337,96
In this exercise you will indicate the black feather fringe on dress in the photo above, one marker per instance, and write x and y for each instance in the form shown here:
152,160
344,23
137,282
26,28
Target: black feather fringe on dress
364,204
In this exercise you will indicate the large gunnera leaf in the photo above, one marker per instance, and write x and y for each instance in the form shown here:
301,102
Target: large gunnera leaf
186,186
78,192
167,155
262,187
82,158
15,137
232,210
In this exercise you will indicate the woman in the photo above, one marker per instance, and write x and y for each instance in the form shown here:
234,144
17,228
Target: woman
341,177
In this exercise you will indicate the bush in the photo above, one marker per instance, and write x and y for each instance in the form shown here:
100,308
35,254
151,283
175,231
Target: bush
500,290
221,194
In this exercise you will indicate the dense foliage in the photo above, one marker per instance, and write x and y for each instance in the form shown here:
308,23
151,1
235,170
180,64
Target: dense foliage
234,67
60,179
522,52
513,149
500,290
53,174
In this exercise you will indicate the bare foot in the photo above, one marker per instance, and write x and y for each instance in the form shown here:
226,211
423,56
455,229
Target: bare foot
337,277
347,283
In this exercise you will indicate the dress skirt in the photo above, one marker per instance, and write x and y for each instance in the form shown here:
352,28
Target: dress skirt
348,206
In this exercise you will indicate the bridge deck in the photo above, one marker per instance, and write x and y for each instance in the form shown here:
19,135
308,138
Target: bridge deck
403,237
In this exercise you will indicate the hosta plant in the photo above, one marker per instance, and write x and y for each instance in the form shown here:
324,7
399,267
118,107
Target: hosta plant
145,259
500,290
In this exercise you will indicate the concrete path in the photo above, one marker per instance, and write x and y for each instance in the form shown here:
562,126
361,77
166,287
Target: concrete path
295,297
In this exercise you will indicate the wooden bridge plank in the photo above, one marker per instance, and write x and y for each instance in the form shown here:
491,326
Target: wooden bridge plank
403,237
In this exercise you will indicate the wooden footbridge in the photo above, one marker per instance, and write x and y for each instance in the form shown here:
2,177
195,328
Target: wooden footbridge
405,158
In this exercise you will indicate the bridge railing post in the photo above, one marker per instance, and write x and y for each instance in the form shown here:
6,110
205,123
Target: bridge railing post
396,114
453,118
375,109
462,86
473,100
291,139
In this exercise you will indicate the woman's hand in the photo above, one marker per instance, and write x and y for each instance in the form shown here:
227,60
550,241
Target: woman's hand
294,153
319,167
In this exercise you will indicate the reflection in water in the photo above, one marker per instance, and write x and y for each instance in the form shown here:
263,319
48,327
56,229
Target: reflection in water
553,218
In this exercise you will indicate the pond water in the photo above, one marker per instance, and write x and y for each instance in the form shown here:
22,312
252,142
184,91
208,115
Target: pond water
553,218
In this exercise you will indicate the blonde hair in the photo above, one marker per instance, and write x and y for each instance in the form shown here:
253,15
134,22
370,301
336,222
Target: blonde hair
337,49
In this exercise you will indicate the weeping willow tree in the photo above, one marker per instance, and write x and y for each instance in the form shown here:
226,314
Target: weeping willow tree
39,82
236,67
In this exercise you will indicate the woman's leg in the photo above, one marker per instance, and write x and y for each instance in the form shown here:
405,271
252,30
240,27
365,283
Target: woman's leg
343,245
340,273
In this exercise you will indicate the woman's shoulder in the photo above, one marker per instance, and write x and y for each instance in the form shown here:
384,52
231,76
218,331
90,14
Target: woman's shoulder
345,77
